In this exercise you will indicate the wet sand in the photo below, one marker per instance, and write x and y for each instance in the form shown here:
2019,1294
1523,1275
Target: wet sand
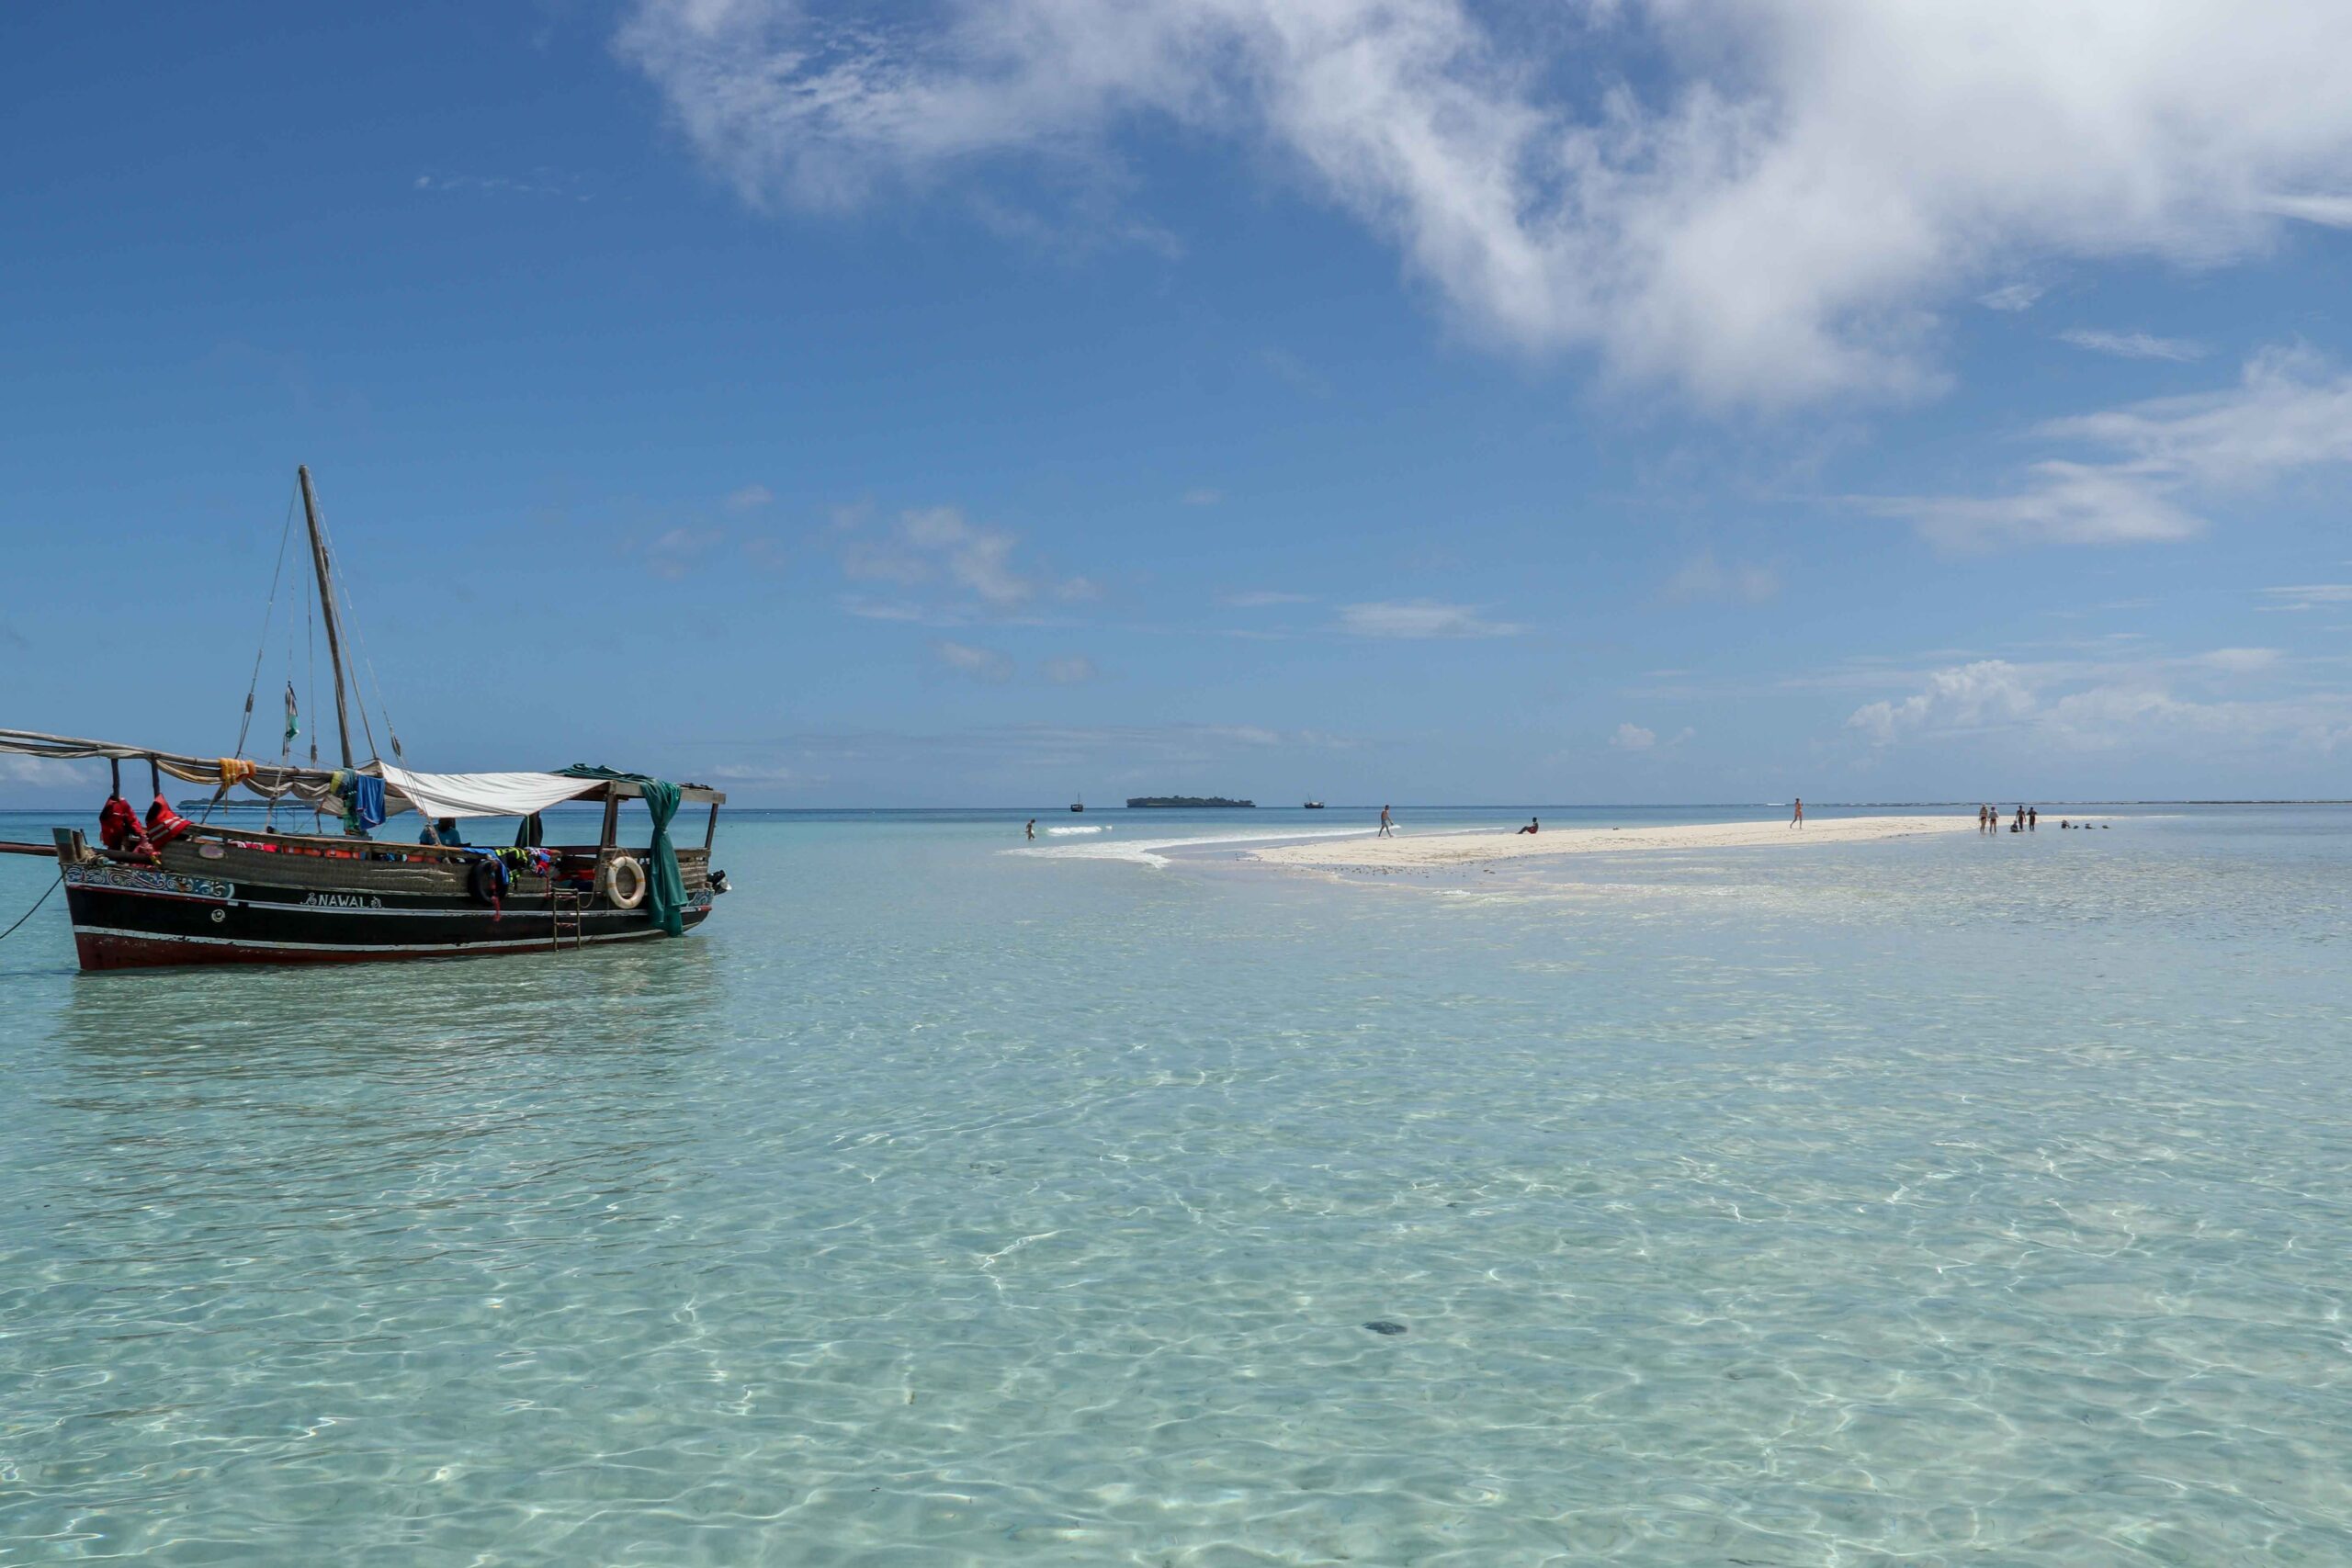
1406,851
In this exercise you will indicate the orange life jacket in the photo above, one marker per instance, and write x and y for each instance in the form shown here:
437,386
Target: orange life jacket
164,824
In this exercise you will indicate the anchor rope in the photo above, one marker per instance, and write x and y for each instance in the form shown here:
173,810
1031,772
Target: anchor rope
36,908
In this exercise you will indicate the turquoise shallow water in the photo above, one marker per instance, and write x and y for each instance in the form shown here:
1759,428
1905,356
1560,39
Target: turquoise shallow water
1946,1201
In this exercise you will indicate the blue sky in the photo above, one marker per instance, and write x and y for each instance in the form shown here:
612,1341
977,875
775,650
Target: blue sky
1370,400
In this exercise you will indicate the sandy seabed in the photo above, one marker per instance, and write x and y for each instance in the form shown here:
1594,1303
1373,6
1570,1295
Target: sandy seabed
1409,852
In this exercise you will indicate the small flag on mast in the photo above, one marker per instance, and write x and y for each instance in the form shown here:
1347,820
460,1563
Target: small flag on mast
293,719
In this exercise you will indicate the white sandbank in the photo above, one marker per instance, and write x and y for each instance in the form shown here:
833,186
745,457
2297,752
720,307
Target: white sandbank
1406,851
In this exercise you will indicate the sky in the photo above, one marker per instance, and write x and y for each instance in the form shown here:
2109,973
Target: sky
1628,401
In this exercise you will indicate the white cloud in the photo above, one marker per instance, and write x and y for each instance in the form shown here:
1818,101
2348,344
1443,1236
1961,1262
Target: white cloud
957,568
1202,496
1703,578
1635,737
2239,661
2333,212
1421,618
1959,698
46,770
1296,373
977,559
884,609
2012,298
2309,596
674,553
2289,412
1069,671
1772,214
539,182
2062,503
1262,598
980,663
2109,707
2132,345
749,497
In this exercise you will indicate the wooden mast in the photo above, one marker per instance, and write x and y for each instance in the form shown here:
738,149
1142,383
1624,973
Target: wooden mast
326,604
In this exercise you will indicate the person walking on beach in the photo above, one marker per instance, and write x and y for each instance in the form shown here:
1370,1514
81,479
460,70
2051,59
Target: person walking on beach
1798,820
1387,828
2032,818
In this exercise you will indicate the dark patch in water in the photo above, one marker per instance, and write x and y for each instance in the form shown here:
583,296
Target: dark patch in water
1382,1325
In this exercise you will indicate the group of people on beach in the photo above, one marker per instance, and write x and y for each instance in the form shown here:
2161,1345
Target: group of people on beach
2028,818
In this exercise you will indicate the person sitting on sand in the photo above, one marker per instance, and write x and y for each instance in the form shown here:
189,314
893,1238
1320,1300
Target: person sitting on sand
1533,826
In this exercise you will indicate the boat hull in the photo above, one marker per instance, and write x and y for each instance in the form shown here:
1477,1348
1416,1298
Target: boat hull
137,917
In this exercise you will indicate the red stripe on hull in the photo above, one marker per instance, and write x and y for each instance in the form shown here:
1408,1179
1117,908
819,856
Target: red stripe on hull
114,951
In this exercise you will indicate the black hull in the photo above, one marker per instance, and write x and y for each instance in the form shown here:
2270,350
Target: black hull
127,917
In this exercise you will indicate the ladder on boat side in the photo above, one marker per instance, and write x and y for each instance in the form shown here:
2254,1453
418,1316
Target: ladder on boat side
564,917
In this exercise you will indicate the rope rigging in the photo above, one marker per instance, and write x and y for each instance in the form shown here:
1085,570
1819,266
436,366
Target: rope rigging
261,650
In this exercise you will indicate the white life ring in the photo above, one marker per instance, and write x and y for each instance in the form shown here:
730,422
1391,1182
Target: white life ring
625,872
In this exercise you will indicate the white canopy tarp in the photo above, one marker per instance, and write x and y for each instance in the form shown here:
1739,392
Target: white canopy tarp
485,794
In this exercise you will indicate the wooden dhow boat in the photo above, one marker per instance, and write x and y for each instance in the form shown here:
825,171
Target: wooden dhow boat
161,890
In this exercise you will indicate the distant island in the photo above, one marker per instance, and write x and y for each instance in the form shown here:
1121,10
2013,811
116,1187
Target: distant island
1141,800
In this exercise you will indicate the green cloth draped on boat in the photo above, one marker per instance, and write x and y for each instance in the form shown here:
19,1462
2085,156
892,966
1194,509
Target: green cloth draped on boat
665,888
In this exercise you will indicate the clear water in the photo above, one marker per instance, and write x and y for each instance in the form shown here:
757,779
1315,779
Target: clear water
1950,1202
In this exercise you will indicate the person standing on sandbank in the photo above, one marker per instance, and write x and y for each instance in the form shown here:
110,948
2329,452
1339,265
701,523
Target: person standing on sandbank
1387,828
1798,820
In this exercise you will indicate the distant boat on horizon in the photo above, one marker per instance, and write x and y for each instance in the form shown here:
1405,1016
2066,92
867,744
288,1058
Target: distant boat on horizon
1312,806
1078,805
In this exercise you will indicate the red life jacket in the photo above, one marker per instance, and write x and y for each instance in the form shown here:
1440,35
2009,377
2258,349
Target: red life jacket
164,824
120,830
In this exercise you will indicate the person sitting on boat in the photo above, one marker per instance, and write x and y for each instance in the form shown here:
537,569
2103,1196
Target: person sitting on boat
443,831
